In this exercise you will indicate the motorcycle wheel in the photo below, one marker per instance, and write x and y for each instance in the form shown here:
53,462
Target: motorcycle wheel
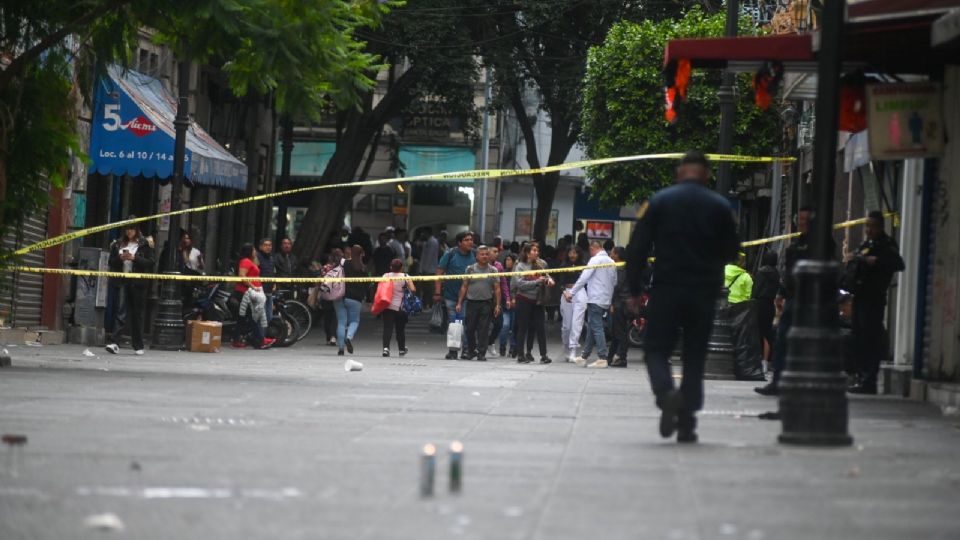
291,330
635,336
277,329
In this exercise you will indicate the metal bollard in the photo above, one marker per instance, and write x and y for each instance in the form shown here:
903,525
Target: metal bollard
428,470
456,466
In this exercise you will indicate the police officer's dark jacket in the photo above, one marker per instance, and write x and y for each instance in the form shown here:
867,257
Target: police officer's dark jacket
874,280
798,250
694,233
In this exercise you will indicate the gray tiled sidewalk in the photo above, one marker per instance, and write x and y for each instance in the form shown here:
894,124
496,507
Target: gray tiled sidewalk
285,444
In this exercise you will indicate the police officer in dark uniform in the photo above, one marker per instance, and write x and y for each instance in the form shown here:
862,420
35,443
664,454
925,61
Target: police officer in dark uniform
800,249
871,269
694,233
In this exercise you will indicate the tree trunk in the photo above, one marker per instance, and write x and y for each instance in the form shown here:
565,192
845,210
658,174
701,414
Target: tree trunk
327,207
546,189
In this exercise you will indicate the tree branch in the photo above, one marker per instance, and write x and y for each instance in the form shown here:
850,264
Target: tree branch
20,63
516,100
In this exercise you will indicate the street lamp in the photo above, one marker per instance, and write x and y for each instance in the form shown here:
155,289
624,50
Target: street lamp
168,332
813,400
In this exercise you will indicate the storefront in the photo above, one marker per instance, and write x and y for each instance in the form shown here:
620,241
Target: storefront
130,172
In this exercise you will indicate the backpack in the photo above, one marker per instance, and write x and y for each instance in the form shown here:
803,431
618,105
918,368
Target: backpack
332,291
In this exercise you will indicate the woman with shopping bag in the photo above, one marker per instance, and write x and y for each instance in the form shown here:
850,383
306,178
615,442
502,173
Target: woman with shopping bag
388,302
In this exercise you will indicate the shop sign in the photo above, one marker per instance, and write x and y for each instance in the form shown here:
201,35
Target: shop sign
905,120
600,230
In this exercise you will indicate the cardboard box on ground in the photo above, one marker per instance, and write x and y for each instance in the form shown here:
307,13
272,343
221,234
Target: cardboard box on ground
204,336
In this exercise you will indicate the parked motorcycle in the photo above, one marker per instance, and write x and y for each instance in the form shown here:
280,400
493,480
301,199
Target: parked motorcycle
213,301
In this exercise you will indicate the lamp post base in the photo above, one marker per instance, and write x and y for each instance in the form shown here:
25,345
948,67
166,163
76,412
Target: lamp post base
168,326
813,389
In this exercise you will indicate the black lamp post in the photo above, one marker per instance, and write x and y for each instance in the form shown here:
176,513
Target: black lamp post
286,146
813,400
168,326
727,95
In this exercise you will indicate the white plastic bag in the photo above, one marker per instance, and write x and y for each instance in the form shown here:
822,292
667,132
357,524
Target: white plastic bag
454,334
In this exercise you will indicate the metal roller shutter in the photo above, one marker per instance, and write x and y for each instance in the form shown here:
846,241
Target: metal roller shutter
21,298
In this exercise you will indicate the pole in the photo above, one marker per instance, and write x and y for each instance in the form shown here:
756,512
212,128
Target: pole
727,95
168,326
813,399
286,147
485,153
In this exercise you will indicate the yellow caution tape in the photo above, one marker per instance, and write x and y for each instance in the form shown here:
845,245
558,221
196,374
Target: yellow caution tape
837,226
304,280
459,175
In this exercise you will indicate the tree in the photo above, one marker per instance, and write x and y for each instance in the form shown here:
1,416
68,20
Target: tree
429,56
623,111
542,46
304,53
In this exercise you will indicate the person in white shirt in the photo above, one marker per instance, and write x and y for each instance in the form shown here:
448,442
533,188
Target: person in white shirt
599,283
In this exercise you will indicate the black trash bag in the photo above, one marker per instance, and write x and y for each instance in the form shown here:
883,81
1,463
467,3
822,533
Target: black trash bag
747,347
438,318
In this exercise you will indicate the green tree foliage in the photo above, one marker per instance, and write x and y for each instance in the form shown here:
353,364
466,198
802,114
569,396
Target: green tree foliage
541,46
623,111
430,56
303,52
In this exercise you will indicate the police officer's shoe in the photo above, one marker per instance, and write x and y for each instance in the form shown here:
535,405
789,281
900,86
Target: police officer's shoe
866,389
686,428
770,389
670,405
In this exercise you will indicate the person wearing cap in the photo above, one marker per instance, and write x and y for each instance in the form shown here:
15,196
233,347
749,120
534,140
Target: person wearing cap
694,233
131,253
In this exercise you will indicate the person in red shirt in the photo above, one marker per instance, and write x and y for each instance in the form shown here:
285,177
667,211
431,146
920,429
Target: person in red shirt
248,267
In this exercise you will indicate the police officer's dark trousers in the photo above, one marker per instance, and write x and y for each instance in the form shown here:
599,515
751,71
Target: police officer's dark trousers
868,312
673,307
780,345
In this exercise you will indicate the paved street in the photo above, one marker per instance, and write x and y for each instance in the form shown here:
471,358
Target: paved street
285,444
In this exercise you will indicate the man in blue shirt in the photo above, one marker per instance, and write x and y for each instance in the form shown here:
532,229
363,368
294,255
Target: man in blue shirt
454,262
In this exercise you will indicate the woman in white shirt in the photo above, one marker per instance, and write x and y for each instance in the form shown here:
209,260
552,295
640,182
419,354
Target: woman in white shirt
394,317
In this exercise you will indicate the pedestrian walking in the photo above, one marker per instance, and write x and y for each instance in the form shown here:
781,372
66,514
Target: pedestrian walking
621,313
507,334
798,250
572,312
394,318
454,262
348,307
497,325
599,284
382,255
483,304
429,257
694,233
333,268
871,270
765,289
529,293
131,253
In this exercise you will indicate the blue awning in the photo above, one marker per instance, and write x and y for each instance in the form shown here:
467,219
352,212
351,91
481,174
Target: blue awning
133,134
